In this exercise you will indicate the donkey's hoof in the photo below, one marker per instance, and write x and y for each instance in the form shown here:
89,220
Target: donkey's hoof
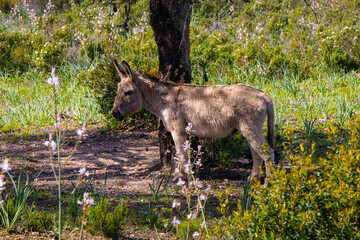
252,176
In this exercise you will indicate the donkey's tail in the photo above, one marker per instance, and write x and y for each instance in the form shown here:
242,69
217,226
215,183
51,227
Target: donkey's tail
271,125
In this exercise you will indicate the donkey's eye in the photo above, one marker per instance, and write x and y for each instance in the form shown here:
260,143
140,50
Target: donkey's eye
127,93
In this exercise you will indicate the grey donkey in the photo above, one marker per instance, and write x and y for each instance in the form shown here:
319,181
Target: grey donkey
213,111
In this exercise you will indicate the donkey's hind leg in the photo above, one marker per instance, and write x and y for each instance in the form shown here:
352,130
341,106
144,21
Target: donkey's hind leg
179,140
257,161
260,150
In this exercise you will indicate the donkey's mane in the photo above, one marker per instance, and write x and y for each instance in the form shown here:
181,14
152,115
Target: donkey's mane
150,76
156,79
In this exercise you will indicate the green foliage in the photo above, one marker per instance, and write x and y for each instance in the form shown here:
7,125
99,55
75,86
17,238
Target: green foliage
279,34
15,47
223,197
187,228
318,198
38,221
100,220
159,186
6,5
14,204
224,151
232,42
26,99
156,218
104,79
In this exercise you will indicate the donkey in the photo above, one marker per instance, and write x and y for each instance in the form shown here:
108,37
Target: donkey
213,111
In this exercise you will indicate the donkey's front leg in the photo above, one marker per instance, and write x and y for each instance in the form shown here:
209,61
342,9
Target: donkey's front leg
179,138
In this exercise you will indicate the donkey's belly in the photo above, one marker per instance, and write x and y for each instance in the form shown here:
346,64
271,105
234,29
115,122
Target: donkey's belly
213,133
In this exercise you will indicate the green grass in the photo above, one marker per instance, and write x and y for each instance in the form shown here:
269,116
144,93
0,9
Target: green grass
329,97
28,102
27,99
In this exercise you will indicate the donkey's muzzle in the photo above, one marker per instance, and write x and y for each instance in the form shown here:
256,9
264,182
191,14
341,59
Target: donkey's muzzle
117,115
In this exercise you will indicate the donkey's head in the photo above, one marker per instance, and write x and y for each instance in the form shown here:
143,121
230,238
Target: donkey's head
128,99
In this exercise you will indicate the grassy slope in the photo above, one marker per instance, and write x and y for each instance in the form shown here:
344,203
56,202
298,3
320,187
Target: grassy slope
254,43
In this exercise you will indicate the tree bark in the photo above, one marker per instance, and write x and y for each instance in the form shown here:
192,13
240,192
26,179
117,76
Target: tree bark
170,21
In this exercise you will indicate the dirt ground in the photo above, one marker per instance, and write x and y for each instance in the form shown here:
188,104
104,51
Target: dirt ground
129,159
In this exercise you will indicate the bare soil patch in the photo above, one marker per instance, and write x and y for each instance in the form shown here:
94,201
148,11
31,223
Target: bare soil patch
129,159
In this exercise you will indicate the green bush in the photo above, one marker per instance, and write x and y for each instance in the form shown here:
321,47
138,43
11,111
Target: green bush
38,221
14,47
155,218
187,228
318,198
6,5
224,152
100,220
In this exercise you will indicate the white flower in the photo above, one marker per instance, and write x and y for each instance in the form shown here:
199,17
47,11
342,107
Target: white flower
87,200
187,145
187,168
191,215
90,201
68,111
180,182
82,171
184,190
208,189
198,162
188,128
53,145
5,165
2,182
175,221
53,81
176,204
79,202
203,197
196,234
80,132
232,9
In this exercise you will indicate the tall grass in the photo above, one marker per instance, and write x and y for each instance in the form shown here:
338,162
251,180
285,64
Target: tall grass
333,96
26,99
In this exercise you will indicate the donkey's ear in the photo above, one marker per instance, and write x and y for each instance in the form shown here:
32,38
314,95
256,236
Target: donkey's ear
127,68
120,69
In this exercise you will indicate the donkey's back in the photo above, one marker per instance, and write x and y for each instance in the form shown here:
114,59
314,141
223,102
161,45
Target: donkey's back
215,111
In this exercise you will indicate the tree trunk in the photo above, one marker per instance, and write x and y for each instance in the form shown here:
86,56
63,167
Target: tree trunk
170,21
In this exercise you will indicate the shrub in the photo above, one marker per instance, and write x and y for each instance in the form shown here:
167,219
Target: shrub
316,199
154,218
101,221
6,5
104,80
223,152
38,221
